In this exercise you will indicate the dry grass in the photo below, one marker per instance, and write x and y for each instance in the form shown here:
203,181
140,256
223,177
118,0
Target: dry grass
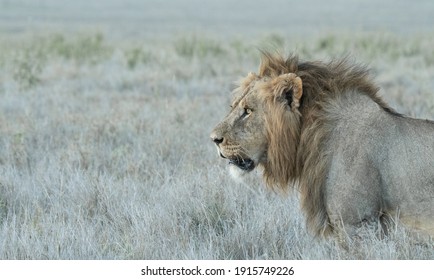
105,153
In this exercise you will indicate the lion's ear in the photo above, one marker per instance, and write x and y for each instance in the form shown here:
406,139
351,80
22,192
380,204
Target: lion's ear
288,87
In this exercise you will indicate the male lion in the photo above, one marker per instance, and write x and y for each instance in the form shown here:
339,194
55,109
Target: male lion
322,127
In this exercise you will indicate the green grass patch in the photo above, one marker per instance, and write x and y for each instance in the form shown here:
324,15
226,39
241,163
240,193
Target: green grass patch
82,49
136,56
190,47
30,59
28,65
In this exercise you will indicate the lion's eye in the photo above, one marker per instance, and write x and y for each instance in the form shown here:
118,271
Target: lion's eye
247,112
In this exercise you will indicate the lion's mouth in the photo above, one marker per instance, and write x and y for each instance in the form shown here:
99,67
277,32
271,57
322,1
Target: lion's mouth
245,164
242,163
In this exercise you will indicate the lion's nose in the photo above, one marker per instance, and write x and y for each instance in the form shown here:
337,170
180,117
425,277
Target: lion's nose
216,139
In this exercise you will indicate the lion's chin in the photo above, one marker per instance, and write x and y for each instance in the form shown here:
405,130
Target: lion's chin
237,173
238,168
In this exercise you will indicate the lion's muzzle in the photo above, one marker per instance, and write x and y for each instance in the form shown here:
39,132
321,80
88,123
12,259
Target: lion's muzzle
245,164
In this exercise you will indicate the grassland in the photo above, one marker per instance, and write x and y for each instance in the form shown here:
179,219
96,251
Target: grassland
105,149
106,109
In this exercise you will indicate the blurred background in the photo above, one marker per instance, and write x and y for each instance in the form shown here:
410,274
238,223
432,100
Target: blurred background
149,18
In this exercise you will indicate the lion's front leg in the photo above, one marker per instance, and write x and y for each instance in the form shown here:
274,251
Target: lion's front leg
353,196
351,235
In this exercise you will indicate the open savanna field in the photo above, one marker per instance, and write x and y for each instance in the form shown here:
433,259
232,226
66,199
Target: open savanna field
104,130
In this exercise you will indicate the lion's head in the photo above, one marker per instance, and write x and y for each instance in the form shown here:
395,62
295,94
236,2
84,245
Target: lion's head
262,110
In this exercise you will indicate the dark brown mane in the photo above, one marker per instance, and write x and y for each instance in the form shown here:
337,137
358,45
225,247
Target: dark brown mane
322,82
